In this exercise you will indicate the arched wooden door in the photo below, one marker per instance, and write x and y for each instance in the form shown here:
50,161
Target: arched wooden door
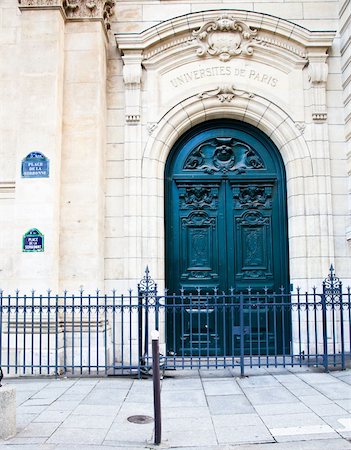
226,218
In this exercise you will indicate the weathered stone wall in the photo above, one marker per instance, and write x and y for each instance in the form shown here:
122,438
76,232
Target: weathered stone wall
107,117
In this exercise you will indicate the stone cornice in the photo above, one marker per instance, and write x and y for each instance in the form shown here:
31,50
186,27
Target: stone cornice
184,26
100,10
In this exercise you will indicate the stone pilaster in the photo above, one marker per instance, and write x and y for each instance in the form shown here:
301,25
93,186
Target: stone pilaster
40,96
83,166
318,190
132,76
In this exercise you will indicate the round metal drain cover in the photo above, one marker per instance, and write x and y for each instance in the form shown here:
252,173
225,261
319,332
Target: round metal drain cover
140,419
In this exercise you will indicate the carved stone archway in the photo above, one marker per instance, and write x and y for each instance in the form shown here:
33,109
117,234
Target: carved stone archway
234,64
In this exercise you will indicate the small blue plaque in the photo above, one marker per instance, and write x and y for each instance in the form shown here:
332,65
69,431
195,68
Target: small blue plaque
33,241
35,165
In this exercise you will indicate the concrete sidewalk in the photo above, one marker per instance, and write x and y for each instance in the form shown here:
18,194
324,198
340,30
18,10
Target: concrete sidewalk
268,410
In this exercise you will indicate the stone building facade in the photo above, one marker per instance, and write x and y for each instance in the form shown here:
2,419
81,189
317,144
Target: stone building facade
106,90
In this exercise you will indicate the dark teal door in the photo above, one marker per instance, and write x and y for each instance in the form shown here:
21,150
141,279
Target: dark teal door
226,223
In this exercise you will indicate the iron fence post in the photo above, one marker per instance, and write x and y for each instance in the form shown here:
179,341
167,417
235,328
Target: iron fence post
242,334
325,334
140,330
156,385
342,332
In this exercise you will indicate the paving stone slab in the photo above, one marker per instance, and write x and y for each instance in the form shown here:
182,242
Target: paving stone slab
189,412
229,404
328,410
185,399
243,434
22,420
316,399
222,387
293,420
38,430
237,420
52,416
317,378
184,424
115,383
99,410
263,396
222,373
101,397
339,423
309,437
258,381
190,437
77,436
183,384
301,430
91,422
38,402
282,408
132,409
60,405
130,432
26,409
335,391
345,404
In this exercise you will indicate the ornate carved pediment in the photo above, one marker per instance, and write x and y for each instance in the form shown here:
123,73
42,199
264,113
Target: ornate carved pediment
225,37
223,155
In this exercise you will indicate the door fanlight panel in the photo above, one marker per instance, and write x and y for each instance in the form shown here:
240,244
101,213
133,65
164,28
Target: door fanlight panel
223,155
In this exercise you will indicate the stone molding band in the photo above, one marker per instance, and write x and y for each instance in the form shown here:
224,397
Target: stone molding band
75,9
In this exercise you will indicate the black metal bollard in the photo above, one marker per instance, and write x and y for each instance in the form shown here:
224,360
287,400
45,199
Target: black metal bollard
156,385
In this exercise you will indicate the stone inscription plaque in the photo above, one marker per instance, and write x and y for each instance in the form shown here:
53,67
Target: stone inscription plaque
33,241
35,165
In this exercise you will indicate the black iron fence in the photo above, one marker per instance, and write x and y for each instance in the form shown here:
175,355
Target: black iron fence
110,334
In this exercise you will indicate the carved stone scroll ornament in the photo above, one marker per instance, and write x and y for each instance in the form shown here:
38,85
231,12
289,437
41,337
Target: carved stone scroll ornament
223,155
225,93
225,37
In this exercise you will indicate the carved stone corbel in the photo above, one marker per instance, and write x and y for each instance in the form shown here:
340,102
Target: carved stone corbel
132,72
318,74
90,9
